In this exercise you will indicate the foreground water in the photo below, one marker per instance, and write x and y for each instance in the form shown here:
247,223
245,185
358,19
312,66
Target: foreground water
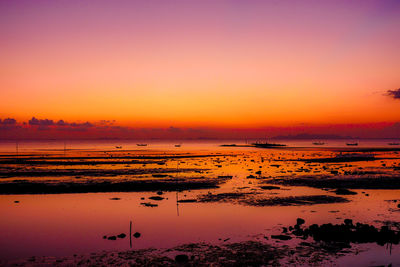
67,224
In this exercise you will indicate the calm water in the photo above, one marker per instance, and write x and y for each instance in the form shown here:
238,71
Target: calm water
67,224
186,145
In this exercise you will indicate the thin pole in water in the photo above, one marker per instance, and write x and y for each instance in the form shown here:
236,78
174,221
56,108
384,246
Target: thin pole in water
177,204
130,234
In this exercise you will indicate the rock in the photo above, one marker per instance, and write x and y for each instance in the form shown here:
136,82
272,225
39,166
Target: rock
105,237
348,222
281,237
115,198
136,235
344,191
121,235
160,193
148,204
300,221
16,201
113,237
181,258
156,198
270,187
298,232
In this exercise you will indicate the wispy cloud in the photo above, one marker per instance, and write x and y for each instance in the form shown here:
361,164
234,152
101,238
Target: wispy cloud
394,93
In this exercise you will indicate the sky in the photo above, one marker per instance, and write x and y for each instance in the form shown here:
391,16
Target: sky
201,64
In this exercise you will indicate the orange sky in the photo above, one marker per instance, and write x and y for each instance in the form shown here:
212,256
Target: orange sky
225,64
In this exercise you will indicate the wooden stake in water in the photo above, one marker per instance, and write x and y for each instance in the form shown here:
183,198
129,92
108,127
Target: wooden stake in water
130,234
177,204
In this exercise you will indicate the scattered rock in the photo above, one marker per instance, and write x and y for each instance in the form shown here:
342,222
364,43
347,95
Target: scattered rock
181,258
344,191
148,204
158,198
347,233
121,235
300,221
348,222
270,187
281,237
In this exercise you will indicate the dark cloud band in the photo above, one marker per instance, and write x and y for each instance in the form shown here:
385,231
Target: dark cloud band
394,93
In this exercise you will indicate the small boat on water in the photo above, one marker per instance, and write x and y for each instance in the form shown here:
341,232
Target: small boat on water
267,145
318,143
141,144
352,144
394,144
118,147
178,145
228,145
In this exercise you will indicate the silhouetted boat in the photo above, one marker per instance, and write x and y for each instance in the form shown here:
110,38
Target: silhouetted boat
267,145
318,143
352,144
178,145
393,144
141,144
228,145
118,147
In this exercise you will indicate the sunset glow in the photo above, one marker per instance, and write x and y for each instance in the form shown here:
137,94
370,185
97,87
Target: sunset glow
245,64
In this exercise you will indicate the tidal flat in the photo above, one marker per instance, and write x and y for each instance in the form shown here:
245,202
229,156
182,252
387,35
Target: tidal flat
196,206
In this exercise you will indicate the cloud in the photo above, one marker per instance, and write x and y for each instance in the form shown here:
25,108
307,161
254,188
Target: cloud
38,122
61,123
394,93
106,122
84,125
8,121
46,123
8,124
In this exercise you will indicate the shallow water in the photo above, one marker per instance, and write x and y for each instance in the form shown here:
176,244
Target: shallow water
67,224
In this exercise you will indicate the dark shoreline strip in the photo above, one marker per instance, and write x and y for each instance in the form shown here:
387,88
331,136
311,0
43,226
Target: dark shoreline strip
119,157
345,182
89,172
103,187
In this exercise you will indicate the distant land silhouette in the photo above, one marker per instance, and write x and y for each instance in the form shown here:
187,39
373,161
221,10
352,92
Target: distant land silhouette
313,136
